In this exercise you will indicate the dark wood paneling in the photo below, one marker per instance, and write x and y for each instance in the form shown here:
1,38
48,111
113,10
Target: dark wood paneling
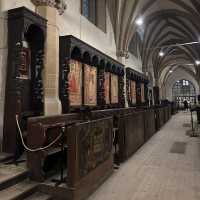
89,149
24,89
89,152
134,133
149,124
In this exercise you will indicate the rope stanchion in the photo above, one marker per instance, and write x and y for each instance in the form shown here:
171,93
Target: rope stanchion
36,149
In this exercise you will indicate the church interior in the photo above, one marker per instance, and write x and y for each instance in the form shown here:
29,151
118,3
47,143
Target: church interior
99,99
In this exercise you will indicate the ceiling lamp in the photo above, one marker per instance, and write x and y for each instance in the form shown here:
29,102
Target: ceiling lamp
139,21
161,54
197,62
170,71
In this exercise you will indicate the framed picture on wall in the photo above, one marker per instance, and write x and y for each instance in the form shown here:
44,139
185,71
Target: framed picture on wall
90,85
75,83
107,87
142,93
114,89
133,91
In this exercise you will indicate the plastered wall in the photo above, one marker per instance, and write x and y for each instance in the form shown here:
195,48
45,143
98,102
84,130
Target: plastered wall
133,62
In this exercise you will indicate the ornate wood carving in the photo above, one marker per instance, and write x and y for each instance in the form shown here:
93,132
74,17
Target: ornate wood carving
37,84
107,87
73,48
24,89
101,99
141,82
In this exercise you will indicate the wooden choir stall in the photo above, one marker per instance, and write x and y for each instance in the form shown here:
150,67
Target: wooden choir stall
90,81
99,130
95,130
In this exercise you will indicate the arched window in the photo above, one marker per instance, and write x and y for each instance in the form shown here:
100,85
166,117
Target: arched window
85,8
95,12
184,90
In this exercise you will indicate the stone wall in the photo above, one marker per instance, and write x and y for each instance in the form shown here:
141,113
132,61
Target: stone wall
3,61
133,62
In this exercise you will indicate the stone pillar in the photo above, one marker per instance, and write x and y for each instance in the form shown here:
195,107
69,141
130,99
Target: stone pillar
3,65
49,9
121,57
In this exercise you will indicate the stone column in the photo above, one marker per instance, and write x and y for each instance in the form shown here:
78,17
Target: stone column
3,64
121,57
50,9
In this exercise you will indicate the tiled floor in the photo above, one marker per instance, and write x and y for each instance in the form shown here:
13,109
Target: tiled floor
156,172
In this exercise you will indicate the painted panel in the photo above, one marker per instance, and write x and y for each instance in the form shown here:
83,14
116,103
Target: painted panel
107,87
75,83
114,89
133,92
90,85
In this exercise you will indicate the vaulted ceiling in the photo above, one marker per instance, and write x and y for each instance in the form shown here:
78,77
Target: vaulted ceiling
166,24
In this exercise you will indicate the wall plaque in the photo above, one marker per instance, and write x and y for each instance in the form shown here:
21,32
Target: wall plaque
90,85
107,87
75,83
133,92
114,89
